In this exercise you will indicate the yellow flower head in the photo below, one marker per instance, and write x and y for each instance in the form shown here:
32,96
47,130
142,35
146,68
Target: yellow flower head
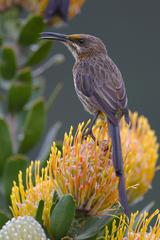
74,7
138,228
140,154
85,171
85,168
38,187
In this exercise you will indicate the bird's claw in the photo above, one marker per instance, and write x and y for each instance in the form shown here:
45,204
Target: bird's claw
88,132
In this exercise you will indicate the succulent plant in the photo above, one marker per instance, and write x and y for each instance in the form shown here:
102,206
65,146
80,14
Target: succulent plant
23,108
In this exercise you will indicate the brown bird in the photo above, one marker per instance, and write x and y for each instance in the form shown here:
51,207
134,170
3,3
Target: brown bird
100,87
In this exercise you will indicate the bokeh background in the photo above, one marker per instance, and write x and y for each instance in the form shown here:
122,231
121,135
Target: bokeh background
130,30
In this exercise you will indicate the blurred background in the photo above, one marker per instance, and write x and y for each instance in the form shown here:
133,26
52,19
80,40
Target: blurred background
130,30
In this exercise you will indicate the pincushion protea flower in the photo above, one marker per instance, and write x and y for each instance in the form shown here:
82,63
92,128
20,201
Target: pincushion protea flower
85,168
140,153
56,11
137,229
85,171
22,228
38,187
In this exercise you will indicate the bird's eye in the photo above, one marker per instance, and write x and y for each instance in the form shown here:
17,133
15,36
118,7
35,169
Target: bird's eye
81,41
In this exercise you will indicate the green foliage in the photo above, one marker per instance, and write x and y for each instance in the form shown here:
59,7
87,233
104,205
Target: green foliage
8,63
33,125
3,219
5,143
62,217
39,212
92,227
20,91
29,33
23,111
1,41
54,201
40,54
14,164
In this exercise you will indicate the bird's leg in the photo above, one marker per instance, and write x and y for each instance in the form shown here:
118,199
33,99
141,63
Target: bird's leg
89,130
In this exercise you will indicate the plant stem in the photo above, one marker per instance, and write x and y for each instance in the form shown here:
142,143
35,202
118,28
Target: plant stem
56,59
13,126
53,96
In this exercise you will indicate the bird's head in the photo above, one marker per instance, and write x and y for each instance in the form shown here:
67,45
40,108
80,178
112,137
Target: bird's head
81,45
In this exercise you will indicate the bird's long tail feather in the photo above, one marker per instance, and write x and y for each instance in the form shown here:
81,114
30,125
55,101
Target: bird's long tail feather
114,132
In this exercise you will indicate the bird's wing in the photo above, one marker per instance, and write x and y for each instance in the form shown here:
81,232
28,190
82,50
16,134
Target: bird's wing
102,82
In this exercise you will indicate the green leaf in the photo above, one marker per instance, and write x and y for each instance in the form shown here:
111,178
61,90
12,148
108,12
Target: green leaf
33,126
8,63
93,227
24,75
20,91
3,219
55,200
40,54
39,212
5,143
62,217
1,41
13,166
30,31
3,204
11,22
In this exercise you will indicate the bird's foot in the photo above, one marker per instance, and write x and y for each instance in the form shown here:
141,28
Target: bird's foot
88,132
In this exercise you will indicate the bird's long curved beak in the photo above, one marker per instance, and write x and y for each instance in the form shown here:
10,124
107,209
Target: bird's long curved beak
55,36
